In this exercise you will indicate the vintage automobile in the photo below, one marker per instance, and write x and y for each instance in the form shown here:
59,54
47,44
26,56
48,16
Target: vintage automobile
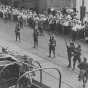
9,70
14,75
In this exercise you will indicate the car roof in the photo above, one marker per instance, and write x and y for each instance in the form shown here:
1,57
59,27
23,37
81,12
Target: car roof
7,59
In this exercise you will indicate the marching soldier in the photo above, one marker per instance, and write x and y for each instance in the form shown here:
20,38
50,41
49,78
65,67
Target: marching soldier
52,45
77,54
83,66
70,49
17,31
35,35
21,22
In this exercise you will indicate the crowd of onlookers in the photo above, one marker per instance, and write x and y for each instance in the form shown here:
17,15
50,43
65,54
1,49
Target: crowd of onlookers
61,21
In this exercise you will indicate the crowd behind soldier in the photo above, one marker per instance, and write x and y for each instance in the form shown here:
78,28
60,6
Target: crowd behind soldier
28,16
52,45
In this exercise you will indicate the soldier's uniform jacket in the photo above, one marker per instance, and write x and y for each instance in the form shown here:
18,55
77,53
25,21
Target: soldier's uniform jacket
70,48
17,29
52,43
35,35
83,66
77,51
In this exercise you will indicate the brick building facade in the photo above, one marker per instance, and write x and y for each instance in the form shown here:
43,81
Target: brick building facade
28,3
45,4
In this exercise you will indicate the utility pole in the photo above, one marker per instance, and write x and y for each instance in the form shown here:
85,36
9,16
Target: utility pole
83,9
82,2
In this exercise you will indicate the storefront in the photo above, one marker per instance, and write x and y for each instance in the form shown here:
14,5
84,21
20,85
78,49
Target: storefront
45,4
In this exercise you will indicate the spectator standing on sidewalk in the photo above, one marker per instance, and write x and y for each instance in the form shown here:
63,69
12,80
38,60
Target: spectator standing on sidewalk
35,36
52,45
70,49
17,31
77,55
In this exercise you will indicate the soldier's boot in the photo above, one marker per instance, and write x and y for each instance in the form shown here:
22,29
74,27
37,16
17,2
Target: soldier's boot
84,85
79,76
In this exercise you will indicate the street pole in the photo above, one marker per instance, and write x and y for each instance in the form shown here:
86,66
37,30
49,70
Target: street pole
82,2
83,11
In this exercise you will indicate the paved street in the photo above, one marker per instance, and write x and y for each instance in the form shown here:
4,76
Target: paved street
69,78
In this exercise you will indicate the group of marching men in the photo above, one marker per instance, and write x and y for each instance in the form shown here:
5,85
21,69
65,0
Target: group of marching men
74,52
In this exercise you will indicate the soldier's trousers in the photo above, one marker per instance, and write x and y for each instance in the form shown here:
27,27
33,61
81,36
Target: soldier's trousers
35,43
51,49
69,60
17,36
75,59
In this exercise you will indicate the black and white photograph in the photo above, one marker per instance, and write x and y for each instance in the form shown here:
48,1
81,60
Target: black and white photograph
43,43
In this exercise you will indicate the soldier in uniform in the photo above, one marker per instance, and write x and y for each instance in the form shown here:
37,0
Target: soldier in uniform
35,35
70,49
21,22
83,66
52,45
17,31
77,54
